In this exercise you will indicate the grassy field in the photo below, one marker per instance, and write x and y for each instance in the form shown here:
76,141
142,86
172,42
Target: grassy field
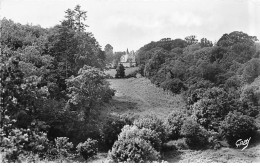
138,97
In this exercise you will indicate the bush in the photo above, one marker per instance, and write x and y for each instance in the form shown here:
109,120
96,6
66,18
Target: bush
64,147
251,70
88,149
212,108
237,126
196,136
132,74
107,92
197,86
234,82
135,150
157,78
111,129
18,142
120,71
250,98
150,136
173,125
153,123
141,69
173,85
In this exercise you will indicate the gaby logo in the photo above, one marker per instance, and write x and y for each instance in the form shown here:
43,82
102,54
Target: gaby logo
240,142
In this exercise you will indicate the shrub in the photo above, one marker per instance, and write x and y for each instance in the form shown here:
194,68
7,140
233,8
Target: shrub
250,98
237,126
196,136
18,142
234,82
87,149
212,108
153,123
63,147
135,150
173,85
197,86
141,69
120,71
157,78
150,136
132,74
173,125
251,70
13,145
111,129
107,92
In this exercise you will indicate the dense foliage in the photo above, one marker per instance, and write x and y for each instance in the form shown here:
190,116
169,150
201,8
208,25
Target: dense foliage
111,129
238,126
136,145
53,76
217,82
88,149
195,135
153,123
135,150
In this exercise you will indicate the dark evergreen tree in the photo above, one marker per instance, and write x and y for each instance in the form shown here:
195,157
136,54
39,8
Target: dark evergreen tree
120,71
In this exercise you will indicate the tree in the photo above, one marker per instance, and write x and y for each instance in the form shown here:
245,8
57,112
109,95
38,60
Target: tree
75,19
70,16
251,70
238,126
80,16
191,39
109,53
212,108
158,57
236,37
204,42
86,90
120,71
72,47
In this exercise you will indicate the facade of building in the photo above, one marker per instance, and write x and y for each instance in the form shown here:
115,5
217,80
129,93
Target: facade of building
128,60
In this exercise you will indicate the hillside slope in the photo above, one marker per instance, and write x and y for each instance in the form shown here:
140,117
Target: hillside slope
138,96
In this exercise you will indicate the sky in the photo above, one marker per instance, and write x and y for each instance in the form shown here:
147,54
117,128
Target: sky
134,23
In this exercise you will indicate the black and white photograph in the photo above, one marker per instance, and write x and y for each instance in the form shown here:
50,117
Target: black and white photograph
129,81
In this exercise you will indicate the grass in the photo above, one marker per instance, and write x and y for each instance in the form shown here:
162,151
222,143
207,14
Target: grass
223,155
139,97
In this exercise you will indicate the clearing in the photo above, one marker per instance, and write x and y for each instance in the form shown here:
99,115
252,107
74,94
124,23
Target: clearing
138,97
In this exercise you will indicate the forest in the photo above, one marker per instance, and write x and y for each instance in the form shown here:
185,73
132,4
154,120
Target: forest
53,87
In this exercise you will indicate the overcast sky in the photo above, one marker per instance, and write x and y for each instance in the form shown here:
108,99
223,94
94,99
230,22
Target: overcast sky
133,23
